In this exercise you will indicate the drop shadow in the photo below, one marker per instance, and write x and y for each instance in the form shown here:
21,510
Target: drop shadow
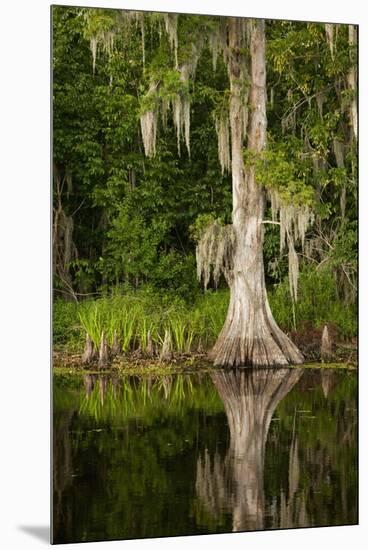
40,532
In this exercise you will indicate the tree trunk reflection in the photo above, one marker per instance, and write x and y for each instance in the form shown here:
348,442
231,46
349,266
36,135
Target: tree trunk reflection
235,484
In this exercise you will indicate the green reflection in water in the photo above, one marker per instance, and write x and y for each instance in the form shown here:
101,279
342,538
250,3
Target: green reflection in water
186,454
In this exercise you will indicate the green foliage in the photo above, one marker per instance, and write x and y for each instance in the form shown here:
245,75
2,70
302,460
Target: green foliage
197,229
98,21
131,215
196,325
282,168
169,86
65,325
137,220
317,303
132,315
345,249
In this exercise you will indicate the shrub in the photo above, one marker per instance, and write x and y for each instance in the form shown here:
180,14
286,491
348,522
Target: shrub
66,327
317,304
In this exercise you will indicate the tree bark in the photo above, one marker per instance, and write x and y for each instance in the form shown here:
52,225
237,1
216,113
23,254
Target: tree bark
89,351
352,78
166,352
326,345
250,336
103,353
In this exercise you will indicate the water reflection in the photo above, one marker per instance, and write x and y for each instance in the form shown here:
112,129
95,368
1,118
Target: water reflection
203,453
236,483
62,472
328,380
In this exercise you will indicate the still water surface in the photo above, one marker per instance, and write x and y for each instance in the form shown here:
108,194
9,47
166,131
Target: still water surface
203,453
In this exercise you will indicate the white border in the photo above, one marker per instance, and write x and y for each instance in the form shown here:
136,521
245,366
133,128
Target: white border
25,280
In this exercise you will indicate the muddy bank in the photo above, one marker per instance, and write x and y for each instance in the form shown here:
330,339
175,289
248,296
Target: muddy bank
132,364
343,357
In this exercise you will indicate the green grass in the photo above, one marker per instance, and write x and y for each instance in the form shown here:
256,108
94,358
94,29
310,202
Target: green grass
141,317
135,318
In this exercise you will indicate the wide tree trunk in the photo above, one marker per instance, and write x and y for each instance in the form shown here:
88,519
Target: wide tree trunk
250,336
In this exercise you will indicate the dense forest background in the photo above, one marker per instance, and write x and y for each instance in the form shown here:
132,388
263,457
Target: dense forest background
125,224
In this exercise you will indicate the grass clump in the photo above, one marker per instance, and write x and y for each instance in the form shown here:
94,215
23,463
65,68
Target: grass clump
138,321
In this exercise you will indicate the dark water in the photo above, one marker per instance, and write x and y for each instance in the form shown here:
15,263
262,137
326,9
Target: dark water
203,453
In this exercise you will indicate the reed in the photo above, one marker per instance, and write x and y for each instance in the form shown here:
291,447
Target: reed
90,320
138,322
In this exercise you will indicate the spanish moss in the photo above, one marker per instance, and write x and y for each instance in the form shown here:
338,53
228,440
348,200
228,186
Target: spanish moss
214,252
223,142
171,26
